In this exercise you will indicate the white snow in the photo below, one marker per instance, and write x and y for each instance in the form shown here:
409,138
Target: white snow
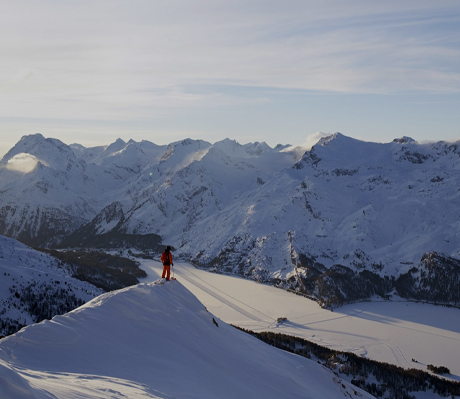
390,203
154,341
159,341
392,332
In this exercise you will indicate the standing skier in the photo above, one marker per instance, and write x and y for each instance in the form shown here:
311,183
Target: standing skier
166,258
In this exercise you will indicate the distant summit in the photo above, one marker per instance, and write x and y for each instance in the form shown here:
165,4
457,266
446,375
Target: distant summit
341,222
404,140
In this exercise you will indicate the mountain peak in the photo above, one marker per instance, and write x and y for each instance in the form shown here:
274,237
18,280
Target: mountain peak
118,145
51,152
281,147
323,141
34,136
404,140
235,149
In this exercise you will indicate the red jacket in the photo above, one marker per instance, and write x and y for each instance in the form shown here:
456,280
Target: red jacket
166,258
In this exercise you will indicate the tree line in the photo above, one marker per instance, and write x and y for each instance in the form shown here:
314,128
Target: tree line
392,381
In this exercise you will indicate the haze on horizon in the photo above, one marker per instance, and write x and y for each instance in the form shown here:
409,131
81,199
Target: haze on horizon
90,72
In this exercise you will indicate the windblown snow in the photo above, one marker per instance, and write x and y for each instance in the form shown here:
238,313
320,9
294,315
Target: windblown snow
154,341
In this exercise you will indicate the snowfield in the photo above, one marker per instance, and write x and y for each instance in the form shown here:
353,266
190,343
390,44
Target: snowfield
160,341
342,221
154,341
392,332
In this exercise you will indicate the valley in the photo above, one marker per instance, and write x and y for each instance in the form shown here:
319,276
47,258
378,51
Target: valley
394,332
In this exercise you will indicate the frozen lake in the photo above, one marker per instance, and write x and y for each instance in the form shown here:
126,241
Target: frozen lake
392,332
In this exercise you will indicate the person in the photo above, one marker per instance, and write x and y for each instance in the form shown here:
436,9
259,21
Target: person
167,260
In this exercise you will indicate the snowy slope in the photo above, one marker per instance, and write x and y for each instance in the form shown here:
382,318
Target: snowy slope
345,211
53,195
154,341
34,285
391,201
393,332
353,203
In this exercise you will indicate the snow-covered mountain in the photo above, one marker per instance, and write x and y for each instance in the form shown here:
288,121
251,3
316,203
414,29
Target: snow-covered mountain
47,192
35,286
154,341
341,222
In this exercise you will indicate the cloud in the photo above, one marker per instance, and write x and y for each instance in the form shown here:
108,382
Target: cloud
22,162
114,48
112,60
310,141
22,74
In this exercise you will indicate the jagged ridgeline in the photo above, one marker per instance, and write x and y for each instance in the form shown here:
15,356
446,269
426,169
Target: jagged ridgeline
341,221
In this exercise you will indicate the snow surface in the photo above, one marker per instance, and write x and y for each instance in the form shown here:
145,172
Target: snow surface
362,205
392,332
396,202
159,341
154,341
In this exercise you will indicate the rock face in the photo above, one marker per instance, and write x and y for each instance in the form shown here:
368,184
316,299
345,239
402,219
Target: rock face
341,221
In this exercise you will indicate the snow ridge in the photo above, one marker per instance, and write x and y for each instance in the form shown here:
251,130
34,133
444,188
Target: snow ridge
154,341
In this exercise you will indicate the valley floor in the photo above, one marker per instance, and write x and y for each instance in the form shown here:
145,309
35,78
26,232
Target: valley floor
407,334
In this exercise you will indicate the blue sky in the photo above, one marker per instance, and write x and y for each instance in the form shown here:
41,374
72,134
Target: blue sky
90,71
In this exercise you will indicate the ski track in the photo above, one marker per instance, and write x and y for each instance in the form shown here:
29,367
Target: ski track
215,292
399,357
263,321
187,274
398,354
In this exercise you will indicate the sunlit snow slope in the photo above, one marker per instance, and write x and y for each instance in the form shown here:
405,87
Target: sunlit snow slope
341,222
153,341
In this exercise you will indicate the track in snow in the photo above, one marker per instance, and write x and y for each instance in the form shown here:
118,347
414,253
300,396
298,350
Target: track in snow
390,332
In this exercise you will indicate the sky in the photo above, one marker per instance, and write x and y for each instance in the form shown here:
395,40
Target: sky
92,71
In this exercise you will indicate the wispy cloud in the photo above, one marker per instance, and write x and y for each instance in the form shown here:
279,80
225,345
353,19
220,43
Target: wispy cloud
96,46
23,163
112,59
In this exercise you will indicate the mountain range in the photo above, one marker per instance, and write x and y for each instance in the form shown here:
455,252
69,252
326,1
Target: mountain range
342,221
